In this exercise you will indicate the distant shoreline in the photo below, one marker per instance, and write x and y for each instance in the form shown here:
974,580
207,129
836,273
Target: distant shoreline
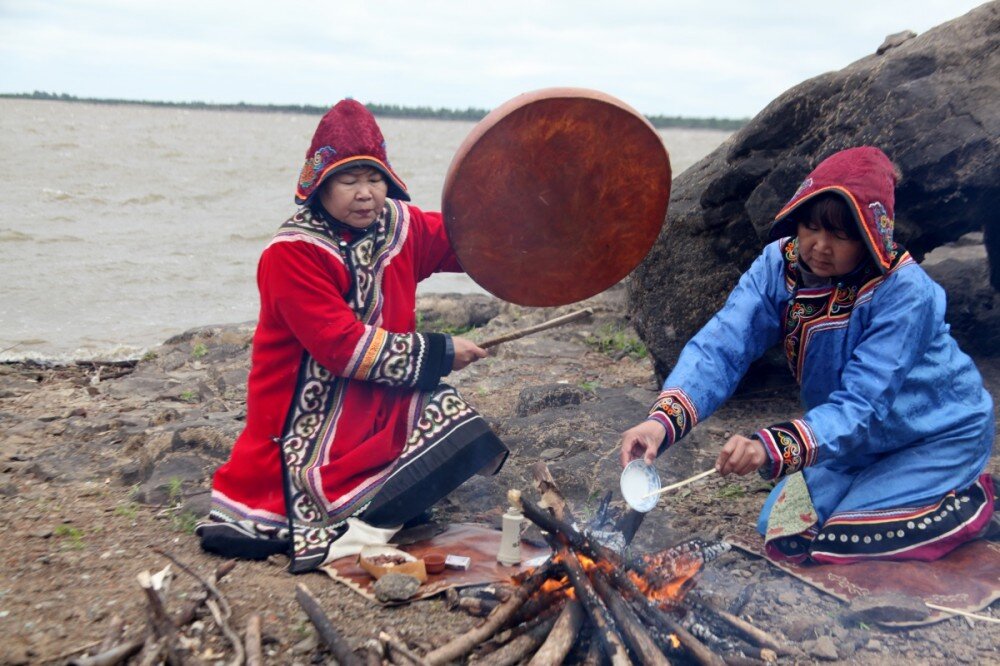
383,110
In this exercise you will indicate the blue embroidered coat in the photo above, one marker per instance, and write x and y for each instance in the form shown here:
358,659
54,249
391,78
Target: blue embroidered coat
895,414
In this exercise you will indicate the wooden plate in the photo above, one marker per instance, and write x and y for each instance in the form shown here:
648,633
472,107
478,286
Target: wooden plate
556,196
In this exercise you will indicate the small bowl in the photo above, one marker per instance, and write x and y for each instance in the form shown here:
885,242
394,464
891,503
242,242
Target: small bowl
434,563
638,480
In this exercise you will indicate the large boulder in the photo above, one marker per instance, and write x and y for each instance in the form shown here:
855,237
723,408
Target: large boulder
929,101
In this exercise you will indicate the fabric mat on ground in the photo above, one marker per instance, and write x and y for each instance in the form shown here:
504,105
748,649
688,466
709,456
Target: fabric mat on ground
967,579
478,542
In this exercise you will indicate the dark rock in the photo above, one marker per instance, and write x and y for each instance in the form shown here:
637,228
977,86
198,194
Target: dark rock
886,608
534,399
395,587
973,309
452,312
170,477
894,40
929,102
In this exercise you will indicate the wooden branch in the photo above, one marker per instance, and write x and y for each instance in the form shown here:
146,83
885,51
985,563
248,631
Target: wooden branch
520,647
562,636
477,607
548,490
538,604
741,627
114,634
516,628
394,644
255,656
208,585
111,656
462,645
595,655
374,652
551,323
632,630
161,626
220,619
665,623
152,651
324,627
190,612
570,535
219,607
603,624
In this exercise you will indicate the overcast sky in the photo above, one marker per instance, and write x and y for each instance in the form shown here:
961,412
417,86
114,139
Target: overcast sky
723,58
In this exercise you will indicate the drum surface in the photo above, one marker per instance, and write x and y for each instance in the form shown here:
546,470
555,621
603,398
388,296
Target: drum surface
556,196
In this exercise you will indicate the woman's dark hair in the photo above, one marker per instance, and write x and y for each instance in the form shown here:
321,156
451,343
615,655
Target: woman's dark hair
831,212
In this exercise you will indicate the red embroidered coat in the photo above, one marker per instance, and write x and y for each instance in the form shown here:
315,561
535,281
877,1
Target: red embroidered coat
335,335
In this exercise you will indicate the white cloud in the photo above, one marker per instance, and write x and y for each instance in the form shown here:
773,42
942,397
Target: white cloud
721,57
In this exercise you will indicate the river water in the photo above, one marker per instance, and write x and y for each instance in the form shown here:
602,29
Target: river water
123,225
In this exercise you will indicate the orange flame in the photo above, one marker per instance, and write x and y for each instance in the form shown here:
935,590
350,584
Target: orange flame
675,585
674,641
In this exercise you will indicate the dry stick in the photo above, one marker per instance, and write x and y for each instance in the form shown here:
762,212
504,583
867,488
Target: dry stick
579,542
190,612
604,625
331,637
221,610
632,630
476,607
680,484
111,656
537,605
152,651
114,634
462,645
69,653
552,497
551,323
594,656
255,656
160,623
233,638
963,613
695,648
562,637
394,644
374,652
750,633
520,647
515,630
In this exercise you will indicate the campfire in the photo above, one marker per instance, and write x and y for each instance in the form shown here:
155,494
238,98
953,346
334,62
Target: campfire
587,604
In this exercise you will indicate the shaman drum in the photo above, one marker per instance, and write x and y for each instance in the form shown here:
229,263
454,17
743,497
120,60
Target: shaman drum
556,196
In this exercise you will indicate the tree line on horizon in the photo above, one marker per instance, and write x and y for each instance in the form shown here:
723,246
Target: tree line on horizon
384,110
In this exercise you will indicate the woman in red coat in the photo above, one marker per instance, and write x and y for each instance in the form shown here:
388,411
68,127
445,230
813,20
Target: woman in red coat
346,412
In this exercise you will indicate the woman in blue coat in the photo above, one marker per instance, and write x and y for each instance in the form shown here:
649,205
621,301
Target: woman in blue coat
888,459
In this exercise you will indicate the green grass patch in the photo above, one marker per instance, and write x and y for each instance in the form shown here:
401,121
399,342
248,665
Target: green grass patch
617,342
130,510
731,491
185,522
199,351
73,536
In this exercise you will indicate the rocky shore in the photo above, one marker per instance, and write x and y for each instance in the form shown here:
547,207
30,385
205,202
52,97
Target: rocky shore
102,462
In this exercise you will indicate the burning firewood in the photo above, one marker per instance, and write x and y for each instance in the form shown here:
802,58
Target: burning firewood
464,644
560,640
